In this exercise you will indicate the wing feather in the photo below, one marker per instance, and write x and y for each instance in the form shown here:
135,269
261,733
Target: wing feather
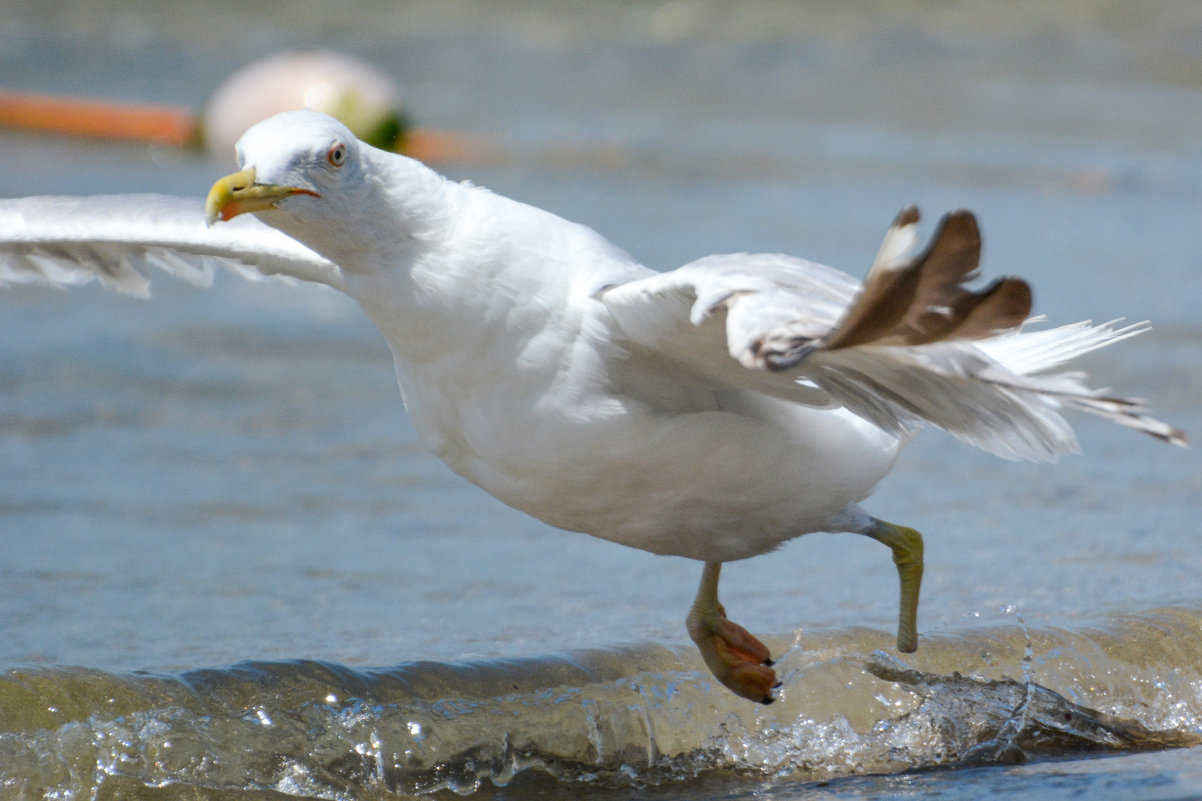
117,239
706,312
911,346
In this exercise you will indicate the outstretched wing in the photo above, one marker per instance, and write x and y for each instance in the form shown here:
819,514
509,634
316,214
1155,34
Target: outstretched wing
911,345
115,238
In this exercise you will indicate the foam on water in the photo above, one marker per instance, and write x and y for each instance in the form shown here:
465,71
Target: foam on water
643,715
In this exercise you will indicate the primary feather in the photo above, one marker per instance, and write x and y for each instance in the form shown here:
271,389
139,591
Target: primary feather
115,238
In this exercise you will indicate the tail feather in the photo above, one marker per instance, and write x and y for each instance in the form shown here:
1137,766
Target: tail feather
1026,352
996,394
1131,414
900,389
1029,354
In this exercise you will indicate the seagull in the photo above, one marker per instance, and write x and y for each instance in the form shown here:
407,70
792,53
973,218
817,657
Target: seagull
712,412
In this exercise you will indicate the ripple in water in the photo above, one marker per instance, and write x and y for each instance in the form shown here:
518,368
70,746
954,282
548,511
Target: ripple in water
600,720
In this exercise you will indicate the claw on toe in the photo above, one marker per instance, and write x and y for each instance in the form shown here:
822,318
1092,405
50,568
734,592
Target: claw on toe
736,658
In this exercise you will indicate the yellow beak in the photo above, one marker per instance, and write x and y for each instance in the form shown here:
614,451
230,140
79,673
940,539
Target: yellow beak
238,193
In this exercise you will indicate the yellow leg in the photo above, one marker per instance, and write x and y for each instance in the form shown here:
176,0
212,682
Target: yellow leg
732,654
907,555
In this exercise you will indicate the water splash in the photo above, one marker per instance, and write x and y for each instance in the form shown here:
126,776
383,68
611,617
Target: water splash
643,715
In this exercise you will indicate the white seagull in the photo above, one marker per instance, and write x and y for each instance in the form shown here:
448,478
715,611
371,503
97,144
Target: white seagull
712,412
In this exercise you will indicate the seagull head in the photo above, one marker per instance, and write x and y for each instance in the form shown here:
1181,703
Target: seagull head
305,174
302,163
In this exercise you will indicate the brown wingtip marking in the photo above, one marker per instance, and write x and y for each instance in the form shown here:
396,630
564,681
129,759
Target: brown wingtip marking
1172,435
953,254
1004,304
926,300
907,216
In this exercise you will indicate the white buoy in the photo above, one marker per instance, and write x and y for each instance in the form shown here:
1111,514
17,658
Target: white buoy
361,96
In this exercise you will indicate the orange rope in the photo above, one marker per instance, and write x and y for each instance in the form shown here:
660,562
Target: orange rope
105,119
180,126
433,146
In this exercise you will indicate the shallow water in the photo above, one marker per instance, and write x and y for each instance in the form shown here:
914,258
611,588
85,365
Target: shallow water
620,719
227,475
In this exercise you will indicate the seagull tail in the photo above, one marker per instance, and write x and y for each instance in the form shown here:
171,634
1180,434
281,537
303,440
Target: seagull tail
1028,356
918,346
1003,394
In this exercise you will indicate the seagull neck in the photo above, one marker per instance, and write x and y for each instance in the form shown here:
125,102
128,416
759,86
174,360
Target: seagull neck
417,202
398,205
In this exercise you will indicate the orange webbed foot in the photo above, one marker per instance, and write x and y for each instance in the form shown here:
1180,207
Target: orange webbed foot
736,658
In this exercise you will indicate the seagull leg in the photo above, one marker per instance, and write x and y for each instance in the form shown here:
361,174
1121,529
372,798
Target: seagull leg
907,555
733,655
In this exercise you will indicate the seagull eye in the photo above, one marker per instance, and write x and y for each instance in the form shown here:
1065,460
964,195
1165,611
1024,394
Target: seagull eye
336,155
